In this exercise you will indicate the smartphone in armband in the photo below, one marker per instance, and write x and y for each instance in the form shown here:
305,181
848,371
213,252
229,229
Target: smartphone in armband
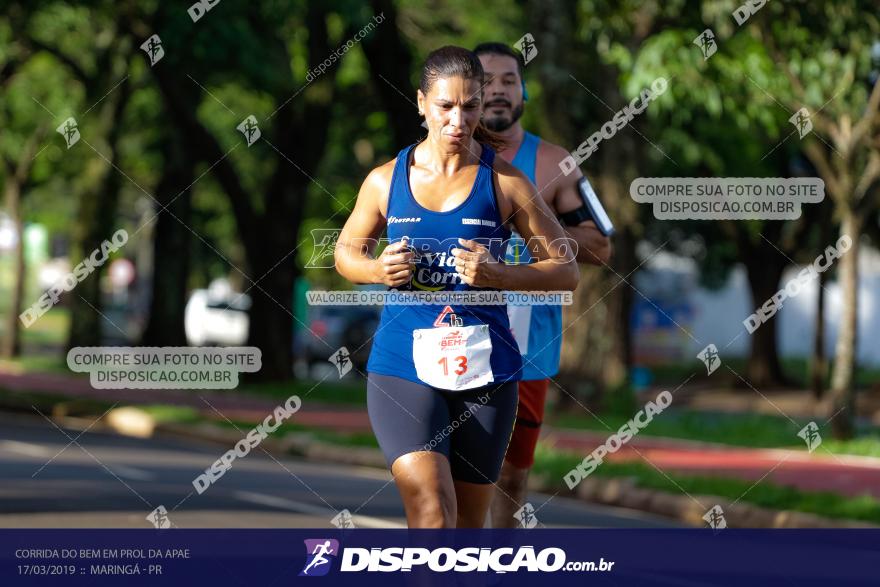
597,211
591,210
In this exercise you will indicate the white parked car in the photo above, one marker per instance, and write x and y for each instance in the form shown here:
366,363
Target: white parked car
217,316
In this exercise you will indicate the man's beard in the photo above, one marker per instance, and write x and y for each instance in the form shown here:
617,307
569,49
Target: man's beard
502,123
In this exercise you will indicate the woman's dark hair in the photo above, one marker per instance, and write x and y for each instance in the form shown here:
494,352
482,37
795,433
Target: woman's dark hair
452,61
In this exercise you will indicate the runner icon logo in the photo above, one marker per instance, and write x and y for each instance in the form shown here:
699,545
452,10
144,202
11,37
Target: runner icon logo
154,50
320,554
526,516
715,518
709,356
706,42
810,435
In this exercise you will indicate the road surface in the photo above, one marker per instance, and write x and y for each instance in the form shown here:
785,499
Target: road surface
64,478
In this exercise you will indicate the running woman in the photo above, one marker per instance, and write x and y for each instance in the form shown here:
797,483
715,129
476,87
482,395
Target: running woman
441,384
538,329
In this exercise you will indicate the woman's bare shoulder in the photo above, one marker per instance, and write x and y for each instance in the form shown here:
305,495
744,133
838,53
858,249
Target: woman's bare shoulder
377,185
380,177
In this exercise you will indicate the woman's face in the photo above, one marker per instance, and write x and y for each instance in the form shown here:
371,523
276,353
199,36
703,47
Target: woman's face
452,110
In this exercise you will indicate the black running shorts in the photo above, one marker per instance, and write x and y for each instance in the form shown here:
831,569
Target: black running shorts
471,428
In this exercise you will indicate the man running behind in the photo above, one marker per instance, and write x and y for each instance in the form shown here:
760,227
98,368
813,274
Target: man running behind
537,329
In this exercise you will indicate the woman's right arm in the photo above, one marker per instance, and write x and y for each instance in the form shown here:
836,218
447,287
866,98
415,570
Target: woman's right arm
356,245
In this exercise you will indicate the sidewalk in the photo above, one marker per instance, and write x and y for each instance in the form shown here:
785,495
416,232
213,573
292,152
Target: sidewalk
820,471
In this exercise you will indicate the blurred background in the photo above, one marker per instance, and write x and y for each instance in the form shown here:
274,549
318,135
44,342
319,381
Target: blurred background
220,230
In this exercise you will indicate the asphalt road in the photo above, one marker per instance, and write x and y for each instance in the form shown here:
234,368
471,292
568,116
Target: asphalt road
64,478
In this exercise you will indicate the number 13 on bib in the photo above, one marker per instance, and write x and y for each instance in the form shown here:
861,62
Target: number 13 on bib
453,357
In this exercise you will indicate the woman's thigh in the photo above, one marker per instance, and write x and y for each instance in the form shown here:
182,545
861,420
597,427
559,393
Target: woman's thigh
406,416
410,422
483,421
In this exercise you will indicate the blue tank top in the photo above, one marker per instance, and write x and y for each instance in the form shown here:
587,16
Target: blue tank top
433,236
541,359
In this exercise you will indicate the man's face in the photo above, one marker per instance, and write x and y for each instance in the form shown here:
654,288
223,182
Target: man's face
502,93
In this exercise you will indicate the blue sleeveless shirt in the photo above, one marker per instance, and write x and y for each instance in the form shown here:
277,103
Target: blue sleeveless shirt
433,236
541,359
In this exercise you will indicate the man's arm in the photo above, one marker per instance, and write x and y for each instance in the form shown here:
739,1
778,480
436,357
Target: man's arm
593,247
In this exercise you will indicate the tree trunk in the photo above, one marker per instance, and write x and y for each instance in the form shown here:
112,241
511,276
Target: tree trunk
273,268
818,364
95,224
171,245
620,358
764,268
842,390
12,339
272,301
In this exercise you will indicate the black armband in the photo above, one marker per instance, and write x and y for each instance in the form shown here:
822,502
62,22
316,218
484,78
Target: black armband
577,216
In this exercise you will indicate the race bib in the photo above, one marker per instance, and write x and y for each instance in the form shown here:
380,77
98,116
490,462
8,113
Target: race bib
520,321
453,357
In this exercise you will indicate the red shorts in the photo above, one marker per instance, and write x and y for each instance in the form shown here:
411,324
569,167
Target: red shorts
529,417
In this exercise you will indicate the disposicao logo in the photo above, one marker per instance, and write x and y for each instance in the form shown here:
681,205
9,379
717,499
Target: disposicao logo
321,552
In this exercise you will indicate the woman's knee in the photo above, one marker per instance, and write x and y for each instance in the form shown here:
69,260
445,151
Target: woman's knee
435,510
425,483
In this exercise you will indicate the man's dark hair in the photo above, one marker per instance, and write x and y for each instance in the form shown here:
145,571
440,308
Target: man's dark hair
501,49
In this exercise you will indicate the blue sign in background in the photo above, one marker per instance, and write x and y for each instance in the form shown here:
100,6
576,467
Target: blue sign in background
268,558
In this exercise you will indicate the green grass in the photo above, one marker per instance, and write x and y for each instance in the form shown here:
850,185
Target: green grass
735,429
169,414
865,446
188,415
26,401
553,465
749,430
52,363
331,392
358,439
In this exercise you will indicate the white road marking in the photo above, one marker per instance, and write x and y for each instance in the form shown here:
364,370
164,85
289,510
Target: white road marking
307,508
25,448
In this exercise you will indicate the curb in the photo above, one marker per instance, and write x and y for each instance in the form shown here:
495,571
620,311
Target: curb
296,443
690,510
